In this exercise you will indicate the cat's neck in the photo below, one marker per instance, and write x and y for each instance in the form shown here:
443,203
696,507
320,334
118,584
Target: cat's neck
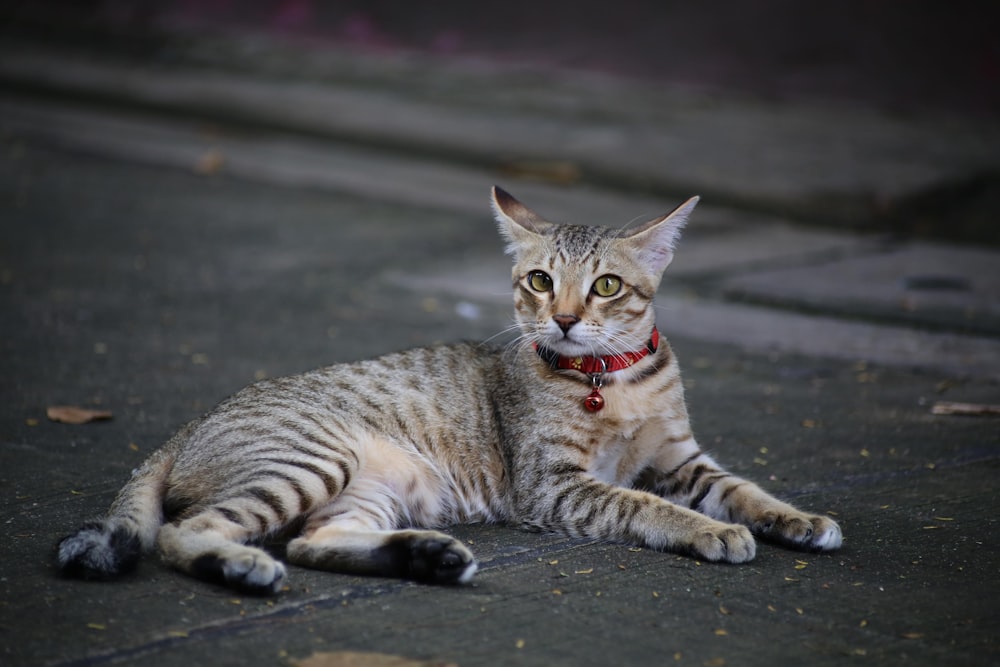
599,365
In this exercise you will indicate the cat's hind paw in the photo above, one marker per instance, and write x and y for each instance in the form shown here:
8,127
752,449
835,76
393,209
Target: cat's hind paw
432,557
250,571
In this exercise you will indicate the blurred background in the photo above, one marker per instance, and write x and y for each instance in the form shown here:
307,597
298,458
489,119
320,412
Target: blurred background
902,55
902,60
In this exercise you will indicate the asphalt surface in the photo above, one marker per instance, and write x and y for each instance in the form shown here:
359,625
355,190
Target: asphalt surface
172,231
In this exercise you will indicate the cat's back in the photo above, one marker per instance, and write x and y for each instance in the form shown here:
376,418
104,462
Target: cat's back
424,422
440,380
441,400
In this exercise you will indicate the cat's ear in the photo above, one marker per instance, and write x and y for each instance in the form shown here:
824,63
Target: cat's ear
518,224
655,241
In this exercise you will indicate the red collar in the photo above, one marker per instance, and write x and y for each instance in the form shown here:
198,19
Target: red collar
599,365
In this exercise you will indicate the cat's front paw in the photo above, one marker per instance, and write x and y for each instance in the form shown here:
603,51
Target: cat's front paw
808,532
727,543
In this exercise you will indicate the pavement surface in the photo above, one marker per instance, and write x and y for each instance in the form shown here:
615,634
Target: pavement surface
178,220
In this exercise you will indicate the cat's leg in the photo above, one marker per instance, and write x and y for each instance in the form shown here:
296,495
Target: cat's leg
211,545
421,555
689,477
573,502
357,534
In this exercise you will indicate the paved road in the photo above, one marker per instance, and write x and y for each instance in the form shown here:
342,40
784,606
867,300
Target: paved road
164,244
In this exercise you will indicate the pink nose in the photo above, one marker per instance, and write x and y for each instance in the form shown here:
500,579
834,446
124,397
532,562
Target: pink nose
565,322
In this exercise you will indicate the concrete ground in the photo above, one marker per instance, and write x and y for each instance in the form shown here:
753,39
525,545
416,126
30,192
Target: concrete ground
180,221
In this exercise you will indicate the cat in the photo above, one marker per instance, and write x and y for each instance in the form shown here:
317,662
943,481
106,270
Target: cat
579,427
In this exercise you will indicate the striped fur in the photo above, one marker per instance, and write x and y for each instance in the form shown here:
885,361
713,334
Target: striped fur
360,464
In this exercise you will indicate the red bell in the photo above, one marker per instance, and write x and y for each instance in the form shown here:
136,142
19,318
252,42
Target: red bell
594,401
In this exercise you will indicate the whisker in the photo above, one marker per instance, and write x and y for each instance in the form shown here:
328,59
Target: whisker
621,342
523,341
628,224
513,327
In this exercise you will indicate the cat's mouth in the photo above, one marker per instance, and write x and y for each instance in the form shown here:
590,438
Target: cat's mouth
567,345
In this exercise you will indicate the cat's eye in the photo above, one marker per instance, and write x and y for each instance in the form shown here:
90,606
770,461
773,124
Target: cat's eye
540,281
607,285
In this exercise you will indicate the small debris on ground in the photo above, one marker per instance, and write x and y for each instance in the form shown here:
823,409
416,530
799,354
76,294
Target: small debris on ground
364,659
970,409
70,414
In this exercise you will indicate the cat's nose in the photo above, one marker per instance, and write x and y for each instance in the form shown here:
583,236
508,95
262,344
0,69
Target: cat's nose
565,322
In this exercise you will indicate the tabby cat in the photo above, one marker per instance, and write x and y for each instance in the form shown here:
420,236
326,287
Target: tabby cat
578,427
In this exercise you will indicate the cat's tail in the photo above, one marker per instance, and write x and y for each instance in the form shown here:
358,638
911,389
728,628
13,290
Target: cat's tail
108,547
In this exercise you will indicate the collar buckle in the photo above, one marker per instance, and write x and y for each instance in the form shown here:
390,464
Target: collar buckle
597,377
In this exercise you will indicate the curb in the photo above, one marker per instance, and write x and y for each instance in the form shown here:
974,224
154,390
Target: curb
846,167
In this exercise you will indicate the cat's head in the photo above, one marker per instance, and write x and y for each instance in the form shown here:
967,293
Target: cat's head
586,291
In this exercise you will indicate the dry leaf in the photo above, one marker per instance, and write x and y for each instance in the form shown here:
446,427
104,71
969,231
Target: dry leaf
554,171
971,409
70,414
361,659
209,163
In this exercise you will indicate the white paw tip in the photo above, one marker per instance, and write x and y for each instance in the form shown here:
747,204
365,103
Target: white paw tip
828,540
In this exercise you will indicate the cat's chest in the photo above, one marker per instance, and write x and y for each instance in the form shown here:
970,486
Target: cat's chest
605,463
621,454
625,436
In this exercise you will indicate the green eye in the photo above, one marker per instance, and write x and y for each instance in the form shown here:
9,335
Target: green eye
540,281
607,286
